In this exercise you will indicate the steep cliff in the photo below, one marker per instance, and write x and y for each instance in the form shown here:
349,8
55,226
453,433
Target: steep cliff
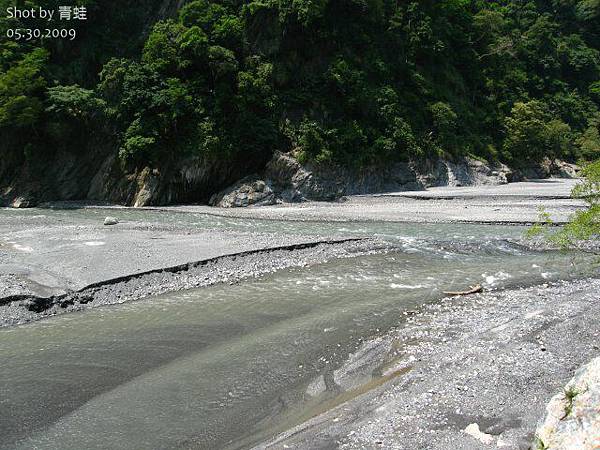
174,100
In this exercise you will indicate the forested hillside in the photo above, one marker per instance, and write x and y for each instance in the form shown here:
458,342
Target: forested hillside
356,82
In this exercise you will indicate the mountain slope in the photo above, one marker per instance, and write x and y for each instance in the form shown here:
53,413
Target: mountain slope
174,100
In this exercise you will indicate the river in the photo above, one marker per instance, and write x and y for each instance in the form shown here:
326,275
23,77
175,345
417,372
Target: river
229,366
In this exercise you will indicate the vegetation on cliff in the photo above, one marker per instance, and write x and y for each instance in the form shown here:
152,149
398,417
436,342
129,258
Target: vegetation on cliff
356,82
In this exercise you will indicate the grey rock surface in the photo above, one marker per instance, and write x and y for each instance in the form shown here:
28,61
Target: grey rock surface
462,172
100,177
573,417
296,182
288,180
21,202
193,179
148,187
565,170
545,169
246,192
473,172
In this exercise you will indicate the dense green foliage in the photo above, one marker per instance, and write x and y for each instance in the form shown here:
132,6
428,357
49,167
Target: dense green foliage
585,224
353,81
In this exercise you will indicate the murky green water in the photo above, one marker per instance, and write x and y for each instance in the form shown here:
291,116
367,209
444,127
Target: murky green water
226,366
11,218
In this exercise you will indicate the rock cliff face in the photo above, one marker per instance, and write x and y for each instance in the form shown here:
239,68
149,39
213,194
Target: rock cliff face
65,177
285,179
98,177
101,179
573,416
190,180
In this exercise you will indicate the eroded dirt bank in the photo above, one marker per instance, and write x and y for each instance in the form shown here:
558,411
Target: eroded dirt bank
23,308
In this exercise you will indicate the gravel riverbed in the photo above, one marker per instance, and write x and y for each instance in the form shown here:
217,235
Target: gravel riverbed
493,359
23,308
489,361
514,203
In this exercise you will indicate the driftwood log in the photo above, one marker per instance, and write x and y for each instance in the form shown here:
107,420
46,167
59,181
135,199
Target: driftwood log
472,290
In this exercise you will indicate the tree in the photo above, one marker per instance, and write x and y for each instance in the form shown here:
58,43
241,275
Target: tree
74,116
75,103
21,91
444,121
532,133
585,224
162,51
589,142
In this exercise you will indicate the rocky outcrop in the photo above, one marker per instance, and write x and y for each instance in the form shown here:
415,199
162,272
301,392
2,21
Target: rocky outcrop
21,202
462,172
99,177
246,192
562,169
295,181
545,169
573,416
66,176
285,179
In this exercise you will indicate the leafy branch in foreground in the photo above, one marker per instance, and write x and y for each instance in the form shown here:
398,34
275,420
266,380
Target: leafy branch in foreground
585,224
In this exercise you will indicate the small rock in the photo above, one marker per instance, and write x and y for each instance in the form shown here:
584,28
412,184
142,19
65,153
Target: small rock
502,443
474,431
111,221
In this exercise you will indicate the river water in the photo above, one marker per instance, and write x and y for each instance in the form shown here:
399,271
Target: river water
228,366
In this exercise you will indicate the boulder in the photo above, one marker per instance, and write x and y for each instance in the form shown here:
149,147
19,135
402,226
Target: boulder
562,169
111,221
248,191
572,419
22,202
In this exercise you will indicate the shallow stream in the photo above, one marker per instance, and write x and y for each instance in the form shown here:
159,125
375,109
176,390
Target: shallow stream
229,366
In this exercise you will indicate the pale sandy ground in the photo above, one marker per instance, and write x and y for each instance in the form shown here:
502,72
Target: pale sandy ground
514,203
45,255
